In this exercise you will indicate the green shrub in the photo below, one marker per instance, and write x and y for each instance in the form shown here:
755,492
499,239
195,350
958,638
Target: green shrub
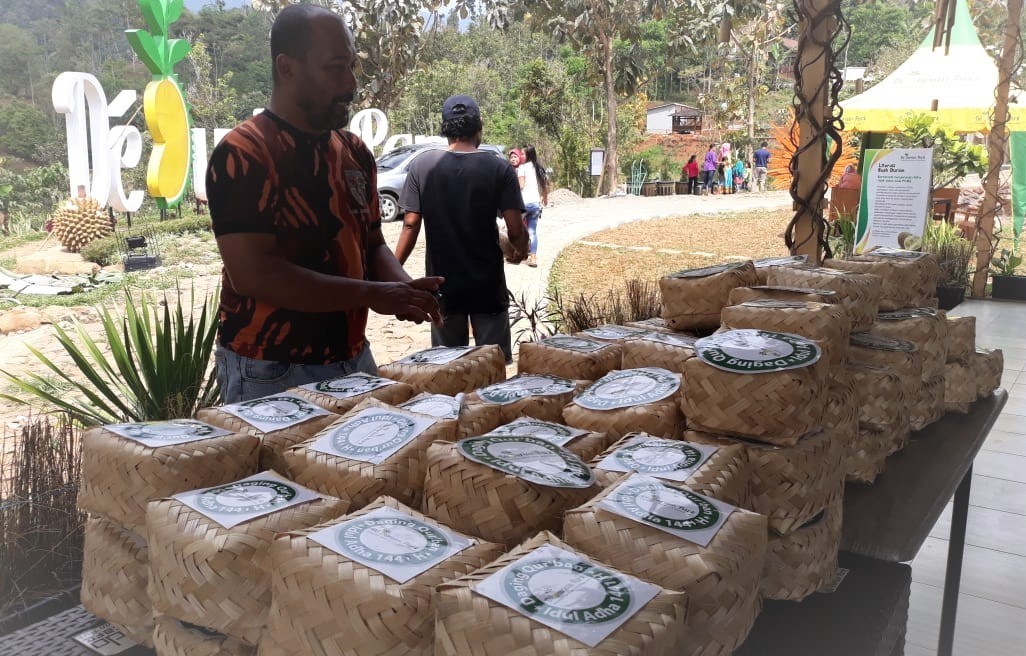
107,251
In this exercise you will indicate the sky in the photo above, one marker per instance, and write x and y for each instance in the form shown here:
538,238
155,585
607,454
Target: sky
196,5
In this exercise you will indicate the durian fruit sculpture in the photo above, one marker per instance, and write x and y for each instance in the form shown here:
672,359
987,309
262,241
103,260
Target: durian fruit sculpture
78,222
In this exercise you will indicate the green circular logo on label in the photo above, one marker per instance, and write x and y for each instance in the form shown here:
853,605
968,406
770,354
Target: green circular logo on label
525,385
173,430
629,387
393,540
434,405
613,332
533,428
753,351
865,340
247,497
437,355
573,343
530,458
372,434
667,507
567,591
349,385
276,410
658,456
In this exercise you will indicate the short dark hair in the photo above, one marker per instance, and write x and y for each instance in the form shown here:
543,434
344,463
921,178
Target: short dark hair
290,33
763,145
461,127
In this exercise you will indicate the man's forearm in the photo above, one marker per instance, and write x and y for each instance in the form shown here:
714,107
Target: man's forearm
286,285
407,237
385,267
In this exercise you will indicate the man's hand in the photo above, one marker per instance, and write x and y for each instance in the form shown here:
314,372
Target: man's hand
413,301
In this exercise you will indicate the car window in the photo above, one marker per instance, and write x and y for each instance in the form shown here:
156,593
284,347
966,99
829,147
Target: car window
394,158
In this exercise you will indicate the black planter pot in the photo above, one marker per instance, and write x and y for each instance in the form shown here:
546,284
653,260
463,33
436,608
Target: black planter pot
1008,287
950,297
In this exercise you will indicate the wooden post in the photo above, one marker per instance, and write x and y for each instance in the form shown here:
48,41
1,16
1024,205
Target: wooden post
997,140
808,163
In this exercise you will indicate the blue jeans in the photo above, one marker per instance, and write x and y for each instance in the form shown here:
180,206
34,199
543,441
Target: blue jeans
532,212
243,378
708,179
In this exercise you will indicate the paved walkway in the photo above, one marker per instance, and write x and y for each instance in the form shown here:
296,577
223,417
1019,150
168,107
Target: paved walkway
560,226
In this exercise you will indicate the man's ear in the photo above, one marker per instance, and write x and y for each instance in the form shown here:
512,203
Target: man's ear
283,65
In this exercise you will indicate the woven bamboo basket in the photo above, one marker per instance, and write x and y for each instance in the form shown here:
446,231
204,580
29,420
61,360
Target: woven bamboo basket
323,602
961,338
470,624
791,485
667,351
776,407
661,418
883,395
902,357
120,475
988,366
272,443
801,562
858,292
763,265
720,579
825,324
115,571
900,281
900,434
482,366
547,407
867,457
464,421
575,358
959,387
694,298
335,395
217,577
585,446
613,333
929,406
928,269
656,324
740,295
173,638
841,415
724,475
925,328
401,475
477,500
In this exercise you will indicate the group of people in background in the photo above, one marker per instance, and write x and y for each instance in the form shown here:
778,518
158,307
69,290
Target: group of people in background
534,187
719,172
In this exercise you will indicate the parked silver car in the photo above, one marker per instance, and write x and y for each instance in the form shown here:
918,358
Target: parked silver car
392,169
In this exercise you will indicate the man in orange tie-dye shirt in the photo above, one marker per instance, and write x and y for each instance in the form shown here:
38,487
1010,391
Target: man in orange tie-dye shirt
294,204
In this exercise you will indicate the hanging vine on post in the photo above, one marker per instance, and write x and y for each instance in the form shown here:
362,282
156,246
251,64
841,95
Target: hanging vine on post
816,130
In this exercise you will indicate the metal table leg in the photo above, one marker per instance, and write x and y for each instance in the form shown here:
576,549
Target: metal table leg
953,575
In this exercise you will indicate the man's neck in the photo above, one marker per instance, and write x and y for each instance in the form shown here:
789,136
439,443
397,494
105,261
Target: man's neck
462,146
291,114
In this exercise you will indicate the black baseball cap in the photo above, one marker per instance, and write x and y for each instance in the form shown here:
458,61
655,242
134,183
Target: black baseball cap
459,106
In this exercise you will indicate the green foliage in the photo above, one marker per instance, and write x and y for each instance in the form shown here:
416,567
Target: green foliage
156,50
842,237
954,252
953,158
212,99
23,128
35,192
158,367
876,26
1006,264
107,251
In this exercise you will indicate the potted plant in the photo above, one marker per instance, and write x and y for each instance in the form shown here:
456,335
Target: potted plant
954,253
1005,283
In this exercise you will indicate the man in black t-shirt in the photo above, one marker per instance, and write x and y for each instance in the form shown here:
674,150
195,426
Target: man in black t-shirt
457,193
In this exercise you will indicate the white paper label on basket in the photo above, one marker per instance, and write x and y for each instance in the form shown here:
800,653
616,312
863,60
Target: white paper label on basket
881,343
775,304
705,272
613,332
105,640
372,435
796,290
790,260
530,458
628,388
672,460
579,344
392,542
273,413
679,512
546,430
908,313
437,355
897,253
522,386
258,495
673,339
349,386
439,406
167,433
654,322
568,593
751,351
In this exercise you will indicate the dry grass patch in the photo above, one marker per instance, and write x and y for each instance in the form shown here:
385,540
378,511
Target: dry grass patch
648,250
